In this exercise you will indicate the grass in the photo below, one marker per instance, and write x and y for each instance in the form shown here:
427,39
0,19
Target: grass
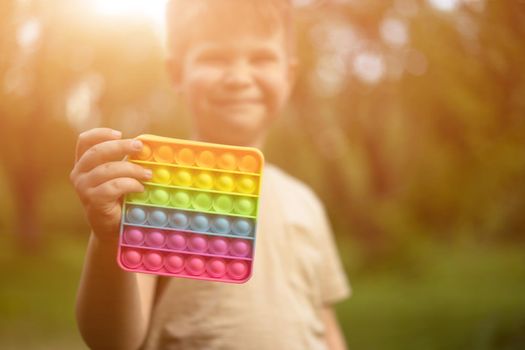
37,296
461,297
446,297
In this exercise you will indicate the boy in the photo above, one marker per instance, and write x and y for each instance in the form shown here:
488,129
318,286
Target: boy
233,65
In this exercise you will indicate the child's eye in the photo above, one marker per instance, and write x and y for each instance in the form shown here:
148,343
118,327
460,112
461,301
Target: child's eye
263,59
214,59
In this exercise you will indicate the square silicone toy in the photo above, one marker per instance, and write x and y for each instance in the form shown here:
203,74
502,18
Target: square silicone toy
197,216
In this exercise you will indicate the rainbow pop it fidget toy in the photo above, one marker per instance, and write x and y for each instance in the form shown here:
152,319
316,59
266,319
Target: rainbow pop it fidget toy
197,217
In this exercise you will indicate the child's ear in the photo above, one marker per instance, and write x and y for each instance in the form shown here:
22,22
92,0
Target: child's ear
174,68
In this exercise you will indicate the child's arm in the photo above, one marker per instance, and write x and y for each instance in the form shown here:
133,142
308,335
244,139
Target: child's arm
334,336
113,306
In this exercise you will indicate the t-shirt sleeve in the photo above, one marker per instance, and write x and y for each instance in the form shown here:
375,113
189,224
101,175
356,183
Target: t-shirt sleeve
334,285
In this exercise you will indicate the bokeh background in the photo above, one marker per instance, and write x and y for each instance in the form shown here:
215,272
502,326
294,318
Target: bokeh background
408,120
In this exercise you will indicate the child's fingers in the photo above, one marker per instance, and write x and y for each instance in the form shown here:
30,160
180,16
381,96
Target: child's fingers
107,151
112,170
111,191
91,137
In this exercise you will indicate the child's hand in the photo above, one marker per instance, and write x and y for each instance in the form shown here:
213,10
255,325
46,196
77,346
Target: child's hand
101,177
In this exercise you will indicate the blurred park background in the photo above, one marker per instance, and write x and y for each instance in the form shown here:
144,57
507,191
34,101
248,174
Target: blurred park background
408,120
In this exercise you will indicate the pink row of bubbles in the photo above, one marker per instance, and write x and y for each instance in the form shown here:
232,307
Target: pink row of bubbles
193,265
181,241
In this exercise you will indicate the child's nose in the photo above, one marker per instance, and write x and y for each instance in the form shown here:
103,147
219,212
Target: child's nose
238,75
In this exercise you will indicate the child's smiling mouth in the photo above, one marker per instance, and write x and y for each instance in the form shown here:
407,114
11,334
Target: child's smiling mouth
237,102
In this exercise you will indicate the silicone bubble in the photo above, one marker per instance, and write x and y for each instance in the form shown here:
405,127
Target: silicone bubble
174,263
139,197
163,154
158,218
216,267
204,180
195,265
223,203
240,247
183,178
237,269
178,220
161,175
220,224
136,215
145,153
180,199
248,164
152,261
242,227
206,159
244,206
225,183
131,258
198,243
177,241
155,239
185,156
133,236
202,201
227,161
246,184
200,223
159,196
218,245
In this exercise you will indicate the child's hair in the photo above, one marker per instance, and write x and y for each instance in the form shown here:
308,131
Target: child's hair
186,19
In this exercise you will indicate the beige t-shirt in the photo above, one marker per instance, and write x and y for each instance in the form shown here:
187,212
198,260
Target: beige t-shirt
296,272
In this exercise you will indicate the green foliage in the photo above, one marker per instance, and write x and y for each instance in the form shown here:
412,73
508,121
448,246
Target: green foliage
436,154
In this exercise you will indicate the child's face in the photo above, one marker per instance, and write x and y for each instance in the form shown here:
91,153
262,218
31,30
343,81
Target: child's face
235,84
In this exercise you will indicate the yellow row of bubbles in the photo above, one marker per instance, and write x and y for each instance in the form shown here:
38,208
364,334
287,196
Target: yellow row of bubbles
204,180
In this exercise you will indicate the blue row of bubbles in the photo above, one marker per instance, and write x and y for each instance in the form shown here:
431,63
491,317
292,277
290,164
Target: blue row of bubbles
199,222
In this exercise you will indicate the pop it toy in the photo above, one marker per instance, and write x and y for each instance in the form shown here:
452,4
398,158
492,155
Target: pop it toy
197,216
